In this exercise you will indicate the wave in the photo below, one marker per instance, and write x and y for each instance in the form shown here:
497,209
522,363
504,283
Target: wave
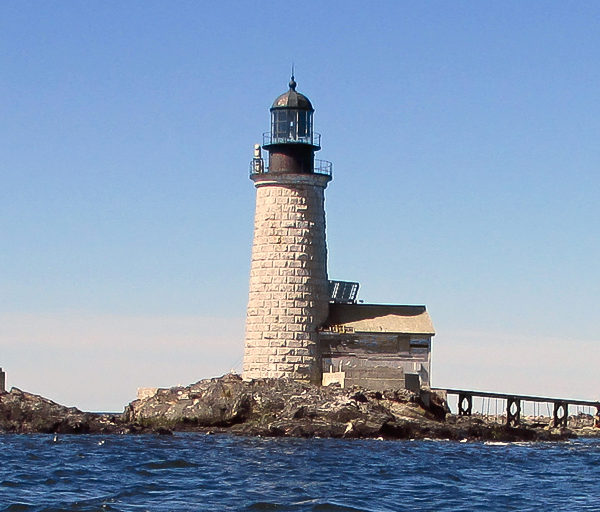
170,464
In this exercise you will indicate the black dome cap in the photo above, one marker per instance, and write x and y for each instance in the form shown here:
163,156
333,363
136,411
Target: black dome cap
292,99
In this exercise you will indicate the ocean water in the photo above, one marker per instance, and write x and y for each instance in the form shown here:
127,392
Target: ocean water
196,472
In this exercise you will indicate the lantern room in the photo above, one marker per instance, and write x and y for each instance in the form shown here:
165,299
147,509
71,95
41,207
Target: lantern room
292,118
291,142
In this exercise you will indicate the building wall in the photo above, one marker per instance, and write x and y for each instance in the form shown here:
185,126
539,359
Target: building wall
384,356
288,298
2,381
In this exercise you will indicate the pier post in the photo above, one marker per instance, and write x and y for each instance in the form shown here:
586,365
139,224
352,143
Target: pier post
465,404
513,419
561,414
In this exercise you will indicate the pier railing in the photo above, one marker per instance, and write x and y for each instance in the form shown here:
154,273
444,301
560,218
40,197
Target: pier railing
560,413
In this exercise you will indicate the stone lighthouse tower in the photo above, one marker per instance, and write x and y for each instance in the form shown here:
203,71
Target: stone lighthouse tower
289,298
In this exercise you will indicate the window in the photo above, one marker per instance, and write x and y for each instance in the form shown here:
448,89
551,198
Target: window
302,124
291,125
280,124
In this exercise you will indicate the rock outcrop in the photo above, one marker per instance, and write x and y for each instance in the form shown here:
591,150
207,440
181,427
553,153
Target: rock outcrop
22,413
267,407
282,407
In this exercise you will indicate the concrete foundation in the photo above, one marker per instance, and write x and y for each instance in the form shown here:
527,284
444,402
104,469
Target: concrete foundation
377,378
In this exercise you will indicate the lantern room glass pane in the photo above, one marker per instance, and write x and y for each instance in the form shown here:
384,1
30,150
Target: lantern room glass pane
280,124
302,124
292,125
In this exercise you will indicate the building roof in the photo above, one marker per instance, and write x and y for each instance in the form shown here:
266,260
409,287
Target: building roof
380,318
292,99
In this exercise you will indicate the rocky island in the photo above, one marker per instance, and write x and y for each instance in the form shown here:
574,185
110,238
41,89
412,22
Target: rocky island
26,413
269,407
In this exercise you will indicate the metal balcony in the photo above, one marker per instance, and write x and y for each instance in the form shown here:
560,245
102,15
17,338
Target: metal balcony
259,166
323,167
312,140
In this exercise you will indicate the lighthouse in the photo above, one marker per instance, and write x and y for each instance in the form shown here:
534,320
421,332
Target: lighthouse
288,294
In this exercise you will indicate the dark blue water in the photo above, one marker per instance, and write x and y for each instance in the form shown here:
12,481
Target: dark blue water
194,472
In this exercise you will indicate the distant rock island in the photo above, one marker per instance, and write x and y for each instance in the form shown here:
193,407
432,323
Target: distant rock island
270,408
26,413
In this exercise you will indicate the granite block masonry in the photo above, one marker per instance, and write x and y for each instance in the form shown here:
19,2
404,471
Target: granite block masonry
288,296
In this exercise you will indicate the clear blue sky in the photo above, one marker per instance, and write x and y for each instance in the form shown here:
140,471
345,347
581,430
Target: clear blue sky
464,138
